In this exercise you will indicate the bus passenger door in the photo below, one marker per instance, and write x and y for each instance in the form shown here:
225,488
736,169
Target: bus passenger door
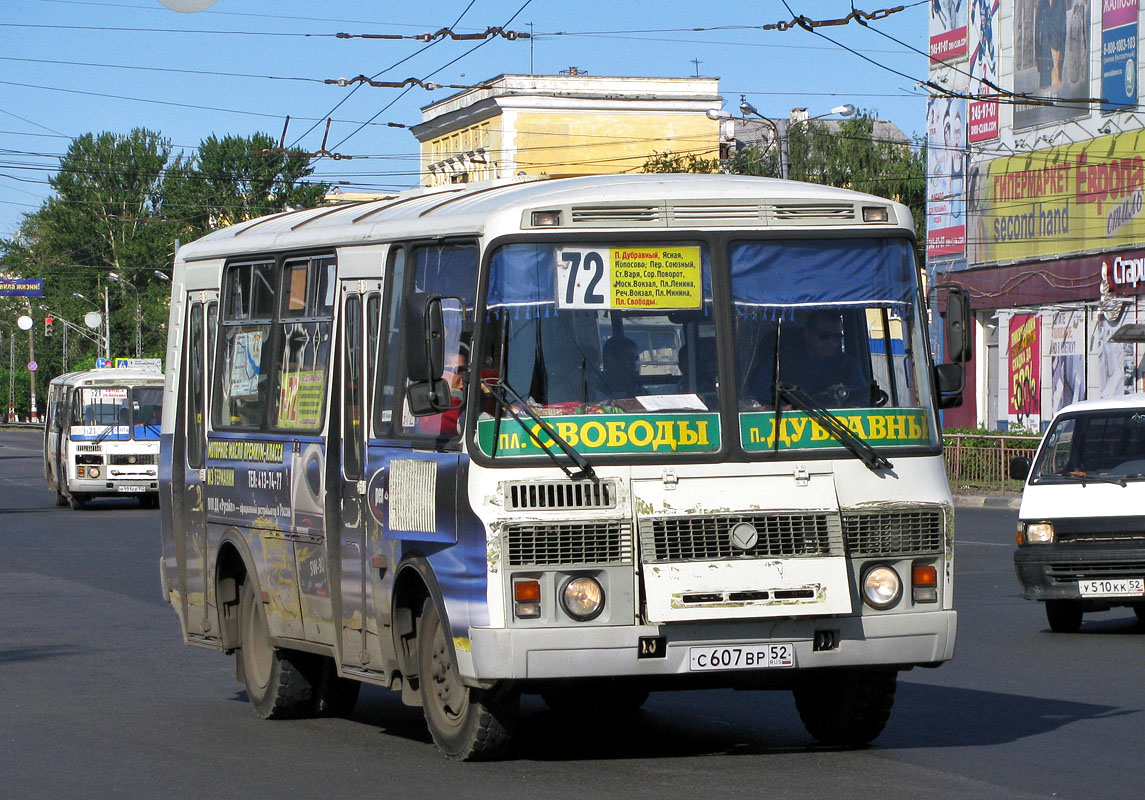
192,556
360,304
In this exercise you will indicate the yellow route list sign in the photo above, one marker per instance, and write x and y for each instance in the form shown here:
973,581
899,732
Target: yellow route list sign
656,277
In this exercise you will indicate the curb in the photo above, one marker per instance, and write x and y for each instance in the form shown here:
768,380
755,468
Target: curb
986,501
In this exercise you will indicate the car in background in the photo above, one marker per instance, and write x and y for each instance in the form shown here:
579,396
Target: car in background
1081,526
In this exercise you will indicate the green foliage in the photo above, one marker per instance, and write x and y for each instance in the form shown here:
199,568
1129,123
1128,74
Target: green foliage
681,162
847,156
121,201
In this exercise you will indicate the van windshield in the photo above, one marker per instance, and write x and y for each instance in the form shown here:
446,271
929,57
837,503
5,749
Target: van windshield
1106,444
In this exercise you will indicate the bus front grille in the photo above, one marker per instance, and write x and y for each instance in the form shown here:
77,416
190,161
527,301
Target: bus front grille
894,533
708,538
559,495
568,543
131,459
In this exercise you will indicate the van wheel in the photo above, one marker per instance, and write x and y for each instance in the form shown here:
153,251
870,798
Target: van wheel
848,707
466,724
276,680
1064,616
76,500
1140,612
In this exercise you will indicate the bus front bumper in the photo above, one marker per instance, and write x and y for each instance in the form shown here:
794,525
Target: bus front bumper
899,640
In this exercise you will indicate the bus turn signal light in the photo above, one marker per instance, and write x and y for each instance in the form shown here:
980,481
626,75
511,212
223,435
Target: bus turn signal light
527,598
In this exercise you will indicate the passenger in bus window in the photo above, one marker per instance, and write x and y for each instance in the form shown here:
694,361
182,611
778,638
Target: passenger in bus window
707,367
620,372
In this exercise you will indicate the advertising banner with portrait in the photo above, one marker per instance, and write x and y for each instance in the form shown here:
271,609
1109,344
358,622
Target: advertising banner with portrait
946,162
1025,370
947,30
1069,199
1067,357
983,114
1051,59
1118,54
1112,364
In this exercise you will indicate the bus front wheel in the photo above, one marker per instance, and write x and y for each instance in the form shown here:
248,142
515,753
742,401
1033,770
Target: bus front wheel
467,724
848,707
277,686
76,501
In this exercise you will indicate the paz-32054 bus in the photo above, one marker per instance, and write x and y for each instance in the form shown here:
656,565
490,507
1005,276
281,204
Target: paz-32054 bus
584,438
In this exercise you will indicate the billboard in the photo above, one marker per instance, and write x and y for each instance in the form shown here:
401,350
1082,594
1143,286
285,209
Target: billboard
1118,54
983,114
1075,198
1051,60
946,171
947,30
1025,370
21,287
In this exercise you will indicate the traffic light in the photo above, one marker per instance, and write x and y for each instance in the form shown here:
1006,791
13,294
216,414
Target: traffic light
47,327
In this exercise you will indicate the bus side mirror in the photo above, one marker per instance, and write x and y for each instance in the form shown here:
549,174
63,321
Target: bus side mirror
423,341
957,328
949,381
1019,468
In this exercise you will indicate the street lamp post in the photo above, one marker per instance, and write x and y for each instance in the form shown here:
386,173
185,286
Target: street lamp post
138,312
105,332
747,108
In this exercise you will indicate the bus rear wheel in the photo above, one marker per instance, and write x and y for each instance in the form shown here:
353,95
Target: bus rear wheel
467,724
276,680
848,707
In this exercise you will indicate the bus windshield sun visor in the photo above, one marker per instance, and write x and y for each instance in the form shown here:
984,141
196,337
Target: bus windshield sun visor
832,424
498,389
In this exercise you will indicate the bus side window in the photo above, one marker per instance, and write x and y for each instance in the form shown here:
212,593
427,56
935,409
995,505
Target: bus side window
305,329
352,439
244,354
387,373
449,270
194,375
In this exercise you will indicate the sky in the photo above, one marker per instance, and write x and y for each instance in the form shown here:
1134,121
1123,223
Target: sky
239,67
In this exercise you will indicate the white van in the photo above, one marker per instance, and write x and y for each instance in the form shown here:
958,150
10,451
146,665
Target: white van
1081,527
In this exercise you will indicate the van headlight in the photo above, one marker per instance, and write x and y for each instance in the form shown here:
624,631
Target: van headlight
1035,533
583,598
882,587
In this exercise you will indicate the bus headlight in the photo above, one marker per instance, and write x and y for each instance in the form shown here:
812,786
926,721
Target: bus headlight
882,587
93,472
583,598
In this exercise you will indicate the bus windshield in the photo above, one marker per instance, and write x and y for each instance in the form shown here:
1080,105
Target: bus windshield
122,412
618,343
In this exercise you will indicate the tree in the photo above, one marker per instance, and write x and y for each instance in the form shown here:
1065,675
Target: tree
235,179
120,203
848,156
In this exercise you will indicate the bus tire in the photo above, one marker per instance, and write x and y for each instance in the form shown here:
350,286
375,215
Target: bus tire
467,724
1064,616
76,501
61,498
276,680
848,707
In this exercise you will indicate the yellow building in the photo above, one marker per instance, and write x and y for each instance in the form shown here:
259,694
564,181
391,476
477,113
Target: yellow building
565,125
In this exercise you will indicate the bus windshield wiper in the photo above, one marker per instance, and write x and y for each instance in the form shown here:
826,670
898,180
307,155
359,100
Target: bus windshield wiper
1082,477
830,423
105,433
498,389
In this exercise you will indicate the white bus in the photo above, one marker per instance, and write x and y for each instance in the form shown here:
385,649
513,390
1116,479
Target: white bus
495,439
101,435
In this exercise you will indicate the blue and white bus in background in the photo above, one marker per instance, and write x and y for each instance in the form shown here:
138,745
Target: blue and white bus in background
584,438
101,435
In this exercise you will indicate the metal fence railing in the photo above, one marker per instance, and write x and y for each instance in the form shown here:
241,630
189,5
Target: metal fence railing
982,461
